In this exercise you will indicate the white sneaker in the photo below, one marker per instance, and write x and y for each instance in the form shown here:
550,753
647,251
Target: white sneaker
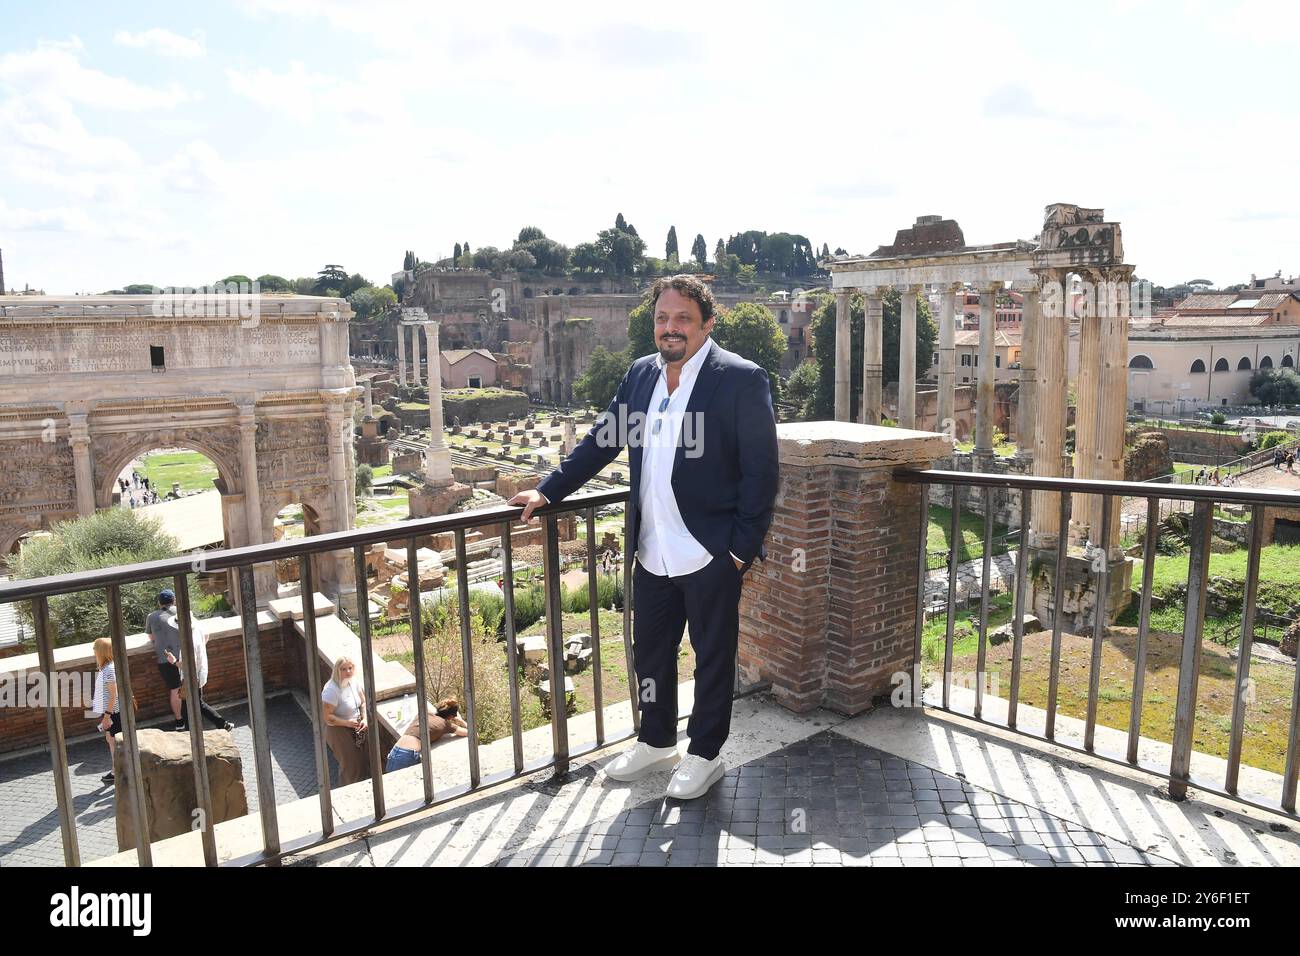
640,761
693,776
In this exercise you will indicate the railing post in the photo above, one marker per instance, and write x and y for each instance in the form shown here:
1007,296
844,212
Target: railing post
1144,628
54,724
467,655
415,617
555,644
1189,666
1244,647
257,712
131,743
512,644
1101,566
307,581
367,665
198,753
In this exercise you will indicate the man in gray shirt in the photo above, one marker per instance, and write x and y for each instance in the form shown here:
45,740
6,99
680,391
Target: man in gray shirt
166,636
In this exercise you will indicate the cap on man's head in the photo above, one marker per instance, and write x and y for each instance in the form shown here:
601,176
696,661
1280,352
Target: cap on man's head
167,596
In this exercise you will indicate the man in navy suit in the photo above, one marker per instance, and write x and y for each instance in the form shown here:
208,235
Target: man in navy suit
701,436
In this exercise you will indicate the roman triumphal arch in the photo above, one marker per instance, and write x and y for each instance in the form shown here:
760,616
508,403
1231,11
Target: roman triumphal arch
261,385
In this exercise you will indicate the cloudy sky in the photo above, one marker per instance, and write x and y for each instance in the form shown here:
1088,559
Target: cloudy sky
178,143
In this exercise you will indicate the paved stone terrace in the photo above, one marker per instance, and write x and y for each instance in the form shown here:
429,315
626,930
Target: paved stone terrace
828,800
29,821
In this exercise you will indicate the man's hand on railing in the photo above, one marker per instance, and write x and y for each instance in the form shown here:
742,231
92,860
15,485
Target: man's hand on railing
532,499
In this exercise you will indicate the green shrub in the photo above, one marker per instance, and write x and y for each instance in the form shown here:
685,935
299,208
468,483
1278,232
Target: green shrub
1270,439
106,538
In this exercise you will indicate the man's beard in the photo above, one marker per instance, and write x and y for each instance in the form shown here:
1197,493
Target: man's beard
672,350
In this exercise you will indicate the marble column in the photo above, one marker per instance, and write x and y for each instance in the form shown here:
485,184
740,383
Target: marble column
370,402
248,469
1051,375
437,457
986,375
1028,377
1087,400
415,354
843,357
947,422
83,472
1112,390
907,358
401,353
872,354
339,429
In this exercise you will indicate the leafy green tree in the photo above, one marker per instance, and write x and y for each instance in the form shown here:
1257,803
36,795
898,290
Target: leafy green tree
274,283
101,540
371,301
670,246
621,249
719,250
331,280
801,389
455,254
1276,386
365,480
140,288
699,251
751,331
529,234
304,285
236,280
589,257
1271,439
641,330
597,385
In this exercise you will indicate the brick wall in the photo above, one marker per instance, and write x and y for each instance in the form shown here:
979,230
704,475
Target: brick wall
828,618
25,726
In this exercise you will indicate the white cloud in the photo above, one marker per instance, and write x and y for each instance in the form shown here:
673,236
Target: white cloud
55,71
163,42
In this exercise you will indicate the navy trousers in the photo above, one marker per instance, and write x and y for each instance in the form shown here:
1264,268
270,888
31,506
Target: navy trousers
708,600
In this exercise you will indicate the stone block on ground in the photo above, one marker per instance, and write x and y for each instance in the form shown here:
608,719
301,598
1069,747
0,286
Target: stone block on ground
167,772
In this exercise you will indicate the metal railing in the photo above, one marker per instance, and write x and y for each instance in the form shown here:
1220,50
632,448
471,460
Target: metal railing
1204,499
38,591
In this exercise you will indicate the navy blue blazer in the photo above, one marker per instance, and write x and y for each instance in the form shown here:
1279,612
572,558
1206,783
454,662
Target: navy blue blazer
726,486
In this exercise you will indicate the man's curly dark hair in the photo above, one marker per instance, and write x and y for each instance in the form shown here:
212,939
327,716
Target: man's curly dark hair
689,286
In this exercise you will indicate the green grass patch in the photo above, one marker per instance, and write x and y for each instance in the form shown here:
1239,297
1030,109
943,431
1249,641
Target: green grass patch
194,471
972,536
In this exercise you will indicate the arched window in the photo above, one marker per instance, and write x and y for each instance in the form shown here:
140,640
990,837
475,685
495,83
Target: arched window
1266,362
1222,365
1287,361
1140,361
1244,365
1198,367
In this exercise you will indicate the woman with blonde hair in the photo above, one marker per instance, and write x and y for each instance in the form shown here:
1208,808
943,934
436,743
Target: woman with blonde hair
344,702
105,702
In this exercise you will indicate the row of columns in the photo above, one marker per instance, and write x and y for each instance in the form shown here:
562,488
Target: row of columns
415,378
1100,400
873,304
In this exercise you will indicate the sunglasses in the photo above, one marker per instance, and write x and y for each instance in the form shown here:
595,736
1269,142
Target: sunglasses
663,407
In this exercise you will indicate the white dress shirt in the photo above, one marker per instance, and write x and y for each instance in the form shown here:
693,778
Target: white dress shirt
664,545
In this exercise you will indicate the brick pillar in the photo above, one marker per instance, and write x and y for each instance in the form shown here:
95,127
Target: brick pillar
829,617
